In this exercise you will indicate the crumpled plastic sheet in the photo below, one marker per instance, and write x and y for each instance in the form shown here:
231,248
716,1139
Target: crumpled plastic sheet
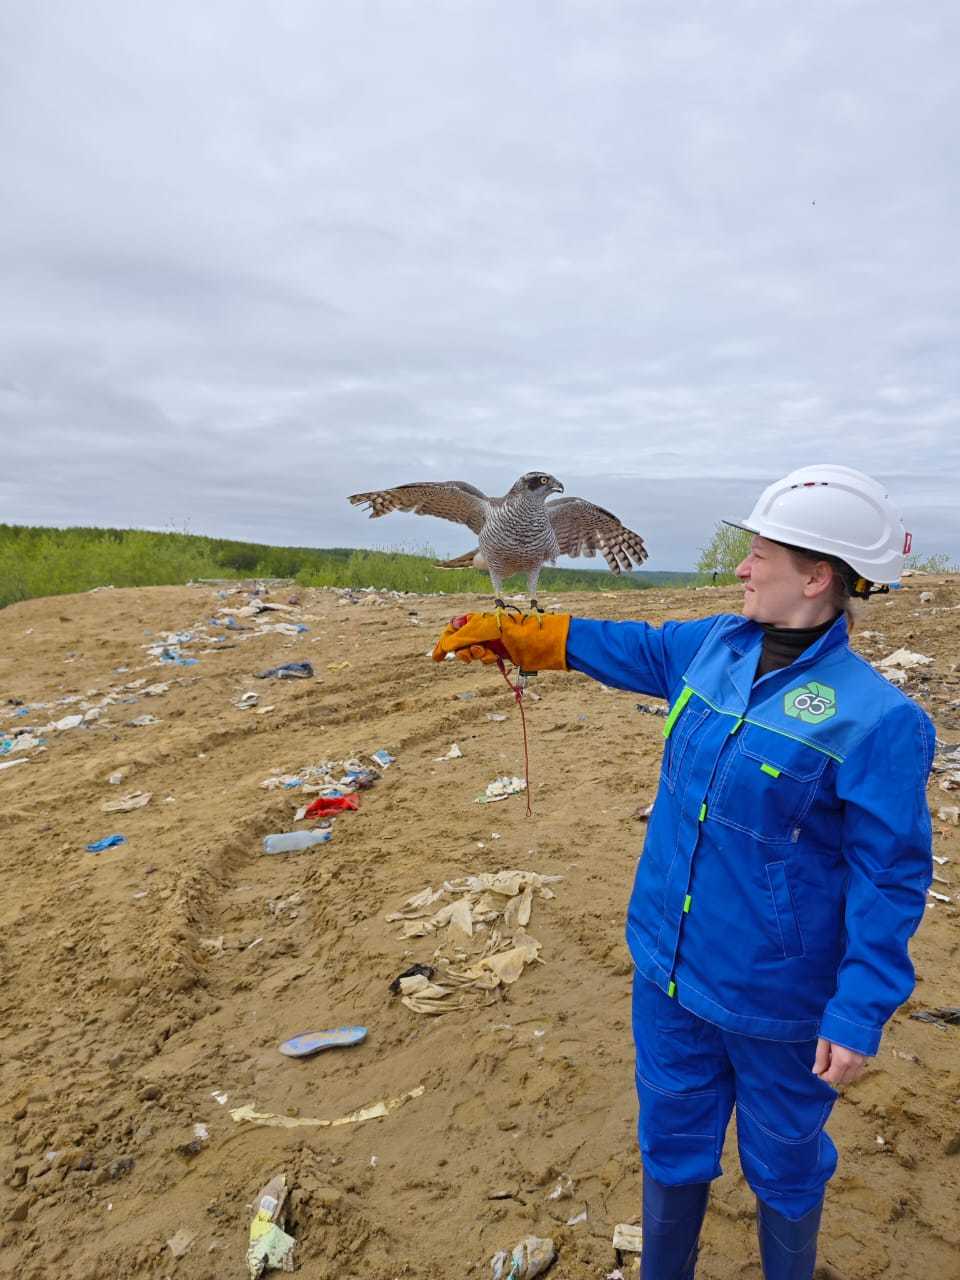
530,1258
487,913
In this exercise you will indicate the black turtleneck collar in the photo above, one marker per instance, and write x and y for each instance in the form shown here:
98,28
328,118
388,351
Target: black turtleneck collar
781,645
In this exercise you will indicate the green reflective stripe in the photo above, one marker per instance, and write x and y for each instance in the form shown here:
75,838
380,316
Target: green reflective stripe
768,768
675,710
672,989
703,811
771,728
686,903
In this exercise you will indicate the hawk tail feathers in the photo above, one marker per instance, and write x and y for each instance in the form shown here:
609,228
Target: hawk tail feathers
469,560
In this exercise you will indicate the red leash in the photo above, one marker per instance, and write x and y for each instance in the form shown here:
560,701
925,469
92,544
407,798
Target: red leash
496,646
518,694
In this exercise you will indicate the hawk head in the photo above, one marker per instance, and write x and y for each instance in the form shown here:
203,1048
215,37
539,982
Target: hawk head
537,482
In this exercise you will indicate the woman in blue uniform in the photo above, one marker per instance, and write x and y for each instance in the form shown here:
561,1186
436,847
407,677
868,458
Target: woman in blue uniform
786,862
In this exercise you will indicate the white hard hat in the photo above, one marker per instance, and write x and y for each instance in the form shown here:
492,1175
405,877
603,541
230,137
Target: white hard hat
838,511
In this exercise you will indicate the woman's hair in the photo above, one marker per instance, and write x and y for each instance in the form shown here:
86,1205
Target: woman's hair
842,586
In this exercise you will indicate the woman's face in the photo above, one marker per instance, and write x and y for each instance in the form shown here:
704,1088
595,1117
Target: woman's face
774,589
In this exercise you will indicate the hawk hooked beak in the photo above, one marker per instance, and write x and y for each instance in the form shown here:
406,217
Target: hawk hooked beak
556,487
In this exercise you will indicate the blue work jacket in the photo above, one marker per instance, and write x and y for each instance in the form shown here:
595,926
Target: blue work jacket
788,854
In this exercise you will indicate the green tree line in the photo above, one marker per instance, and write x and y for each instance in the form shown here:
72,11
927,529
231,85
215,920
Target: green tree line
39,561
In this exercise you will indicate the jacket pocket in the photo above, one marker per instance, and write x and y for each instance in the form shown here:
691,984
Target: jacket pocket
766,784
682,729
784,910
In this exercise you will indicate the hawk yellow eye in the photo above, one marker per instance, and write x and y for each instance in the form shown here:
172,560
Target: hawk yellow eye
544,479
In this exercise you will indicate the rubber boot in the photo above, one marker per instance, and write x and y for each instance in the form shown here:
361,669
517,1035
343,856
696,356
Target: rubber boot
788,1249
672,1218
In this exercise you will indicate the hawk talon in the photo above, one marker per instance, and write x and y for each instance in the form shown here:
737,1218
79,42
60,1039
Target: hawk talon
537,610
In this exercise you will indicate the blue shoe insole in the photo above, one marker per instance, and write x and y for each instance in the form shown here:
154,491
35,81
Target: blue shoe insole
308,1042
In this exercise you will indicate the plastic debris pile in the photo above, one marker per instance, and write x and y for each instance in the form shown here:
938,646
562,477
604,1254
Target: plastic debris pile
502,788
484,944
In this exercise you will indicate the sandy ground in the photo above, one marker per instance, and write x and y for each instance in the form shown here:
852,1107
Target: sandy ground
139,981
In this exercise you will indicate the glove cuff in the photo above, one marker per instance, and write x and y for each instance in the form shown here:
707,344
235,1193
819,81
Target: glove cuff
537,642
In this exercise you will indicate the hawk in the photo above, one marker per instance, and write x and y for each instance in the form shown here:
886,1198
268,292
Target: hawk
518,533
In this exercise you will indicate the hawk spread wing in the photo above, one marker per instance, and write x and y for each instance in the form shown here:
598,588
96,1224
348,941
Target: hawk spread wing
583,529
449,499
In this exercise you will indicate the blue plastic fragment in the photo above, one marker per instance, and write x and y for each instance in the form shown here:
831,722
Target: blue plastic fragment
107,842
171,655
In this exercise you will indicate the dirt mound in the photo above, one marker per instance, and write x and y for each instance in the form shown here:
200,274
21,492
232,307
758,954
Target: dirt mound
146,987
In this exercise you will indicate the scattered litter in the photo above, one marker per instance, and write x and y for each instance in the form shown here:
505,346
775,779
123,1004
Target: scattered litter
289,671
280,906
308,1043
266,1119
940,1017
531,1257
174,657
270,1246
941,862
383,758
563,1189
904,659
643,812
155,690
940,897
285,780
651,709
295,841
284,628
628,1238
331,777
338,666
108,842
68,722
501,788
466,695
951,782
577,1218
201,1132
496,716
324,806
11,764
141,721
453,754
20,742
181,1242
247,700
415,971
949,813
219,1096
485,914
135,800
117,777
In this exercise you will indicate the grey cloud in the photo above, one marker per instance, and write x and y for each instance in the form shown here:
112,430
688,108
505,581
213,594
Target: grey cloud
256,258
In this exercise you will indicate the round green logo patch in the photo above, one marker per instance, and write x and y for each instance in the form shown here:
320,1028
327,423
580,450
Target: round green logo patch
811,702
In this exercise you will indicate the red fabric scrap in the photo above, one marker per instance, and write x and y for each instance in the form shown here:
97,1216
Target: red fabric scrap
324,806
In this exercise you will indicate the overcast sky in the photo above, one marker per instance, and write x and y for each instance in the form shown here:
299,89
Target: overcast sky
257,256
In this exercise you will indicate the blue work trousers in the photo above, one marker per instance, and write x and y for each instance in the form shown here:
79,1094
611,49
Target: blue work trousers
691,1073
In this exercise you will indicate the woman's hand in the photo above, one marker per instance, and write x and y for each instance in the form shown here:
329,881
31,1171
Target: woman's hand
837,1065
